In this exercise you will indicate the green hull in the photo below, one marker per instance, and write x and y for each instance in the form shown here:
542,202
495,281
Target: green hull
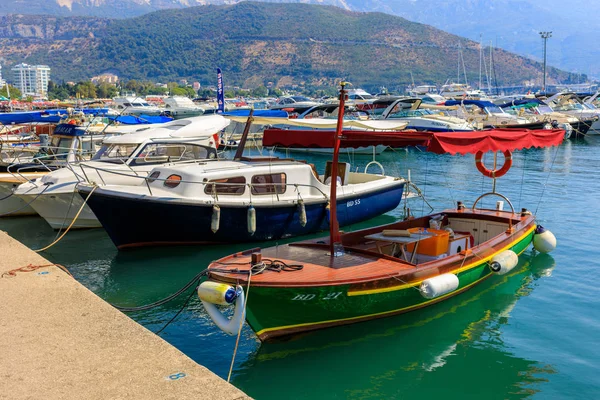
273,311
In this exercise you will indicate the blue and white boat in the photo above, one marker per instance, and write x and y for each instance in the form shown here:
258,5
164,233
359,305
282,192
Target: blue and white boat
247,199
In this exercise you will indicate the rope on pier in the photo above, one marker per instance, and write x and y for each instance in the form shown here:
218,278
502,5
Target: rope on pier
31,268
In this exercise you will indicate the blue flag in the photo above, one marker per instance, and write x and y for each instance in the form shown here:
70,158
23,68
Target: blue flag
220,92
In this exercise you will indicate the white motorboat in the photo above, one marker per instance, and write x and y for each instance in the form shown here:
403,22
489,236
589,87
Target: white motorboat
420,119
121,160
68,144
569,103
181,107
131,105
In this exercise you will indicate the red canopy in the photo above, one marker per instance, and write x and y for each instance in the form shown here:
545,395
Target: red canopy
436,142
493,140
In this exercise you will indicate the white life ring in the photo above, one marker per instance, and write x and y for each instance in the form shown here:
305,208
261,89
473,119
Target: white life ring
230,326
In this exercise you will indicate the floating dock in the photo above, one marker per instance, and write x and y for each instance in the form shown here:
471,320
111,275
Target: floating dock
61,341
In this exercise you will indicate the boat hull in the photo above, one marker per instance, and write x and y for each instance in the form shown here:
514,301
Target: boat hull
60,209
280,311
11,205
137,221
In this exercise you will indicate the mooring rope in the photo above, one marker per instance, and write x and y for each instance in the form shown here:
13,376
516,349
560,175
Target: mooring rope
72,222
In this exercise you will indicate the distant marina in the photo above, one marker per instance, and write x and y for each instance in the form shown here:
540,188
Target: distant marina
372,239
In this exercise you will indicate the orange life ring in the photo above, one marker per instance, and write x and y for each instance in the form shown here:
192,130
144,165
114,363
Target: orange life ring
493,173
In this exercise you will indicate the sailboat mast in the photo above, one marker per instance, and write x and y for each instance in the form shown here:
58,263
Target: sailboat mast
335,239
480,60
458,65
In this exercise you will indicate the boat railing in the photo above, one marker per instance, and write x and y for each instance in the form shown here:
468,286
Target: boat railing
46,162
124,162
214,192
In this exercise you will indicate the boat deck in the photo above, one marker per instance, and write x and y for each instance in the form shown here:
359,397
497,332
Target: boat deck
366,260
318,267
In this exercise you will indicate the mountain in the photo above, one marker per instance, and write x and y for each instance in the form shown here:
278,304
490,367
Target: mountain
254,43
511,24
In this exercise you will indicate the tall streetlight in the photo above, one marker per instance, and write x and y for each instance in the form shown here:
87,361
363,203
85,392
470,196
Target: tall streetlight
545,37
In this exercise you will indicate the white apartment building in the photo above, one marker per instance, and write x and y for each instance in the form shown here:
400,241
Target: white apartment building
31,80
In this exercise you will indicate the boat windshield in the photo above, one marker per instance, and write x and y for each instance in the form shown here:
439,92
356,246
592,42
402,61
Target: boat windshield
409,113
158,153
494,110
544,109
568,107
117,153
60,147
299,99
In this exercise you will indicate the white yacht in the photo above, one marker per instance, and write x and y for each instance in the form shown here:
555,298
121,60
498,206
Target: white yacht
569,103
424,119
181,107
135,106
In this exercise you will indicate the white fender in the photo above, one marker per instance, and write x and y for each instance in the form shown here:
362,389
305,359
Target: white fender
302,212
438,286
544,241
251,219
504,262
215,220
230,326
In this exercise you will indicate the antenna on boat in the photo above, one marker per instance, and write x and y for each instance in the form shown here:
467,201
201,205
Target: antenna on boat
336,248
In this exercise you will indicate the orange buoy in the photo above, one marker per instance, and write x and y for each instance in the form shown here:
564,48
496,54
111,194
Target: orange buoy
493,173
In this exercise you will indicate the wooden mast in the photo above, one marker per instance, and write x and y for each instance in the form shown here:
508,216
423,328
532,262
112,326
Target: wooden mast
335,241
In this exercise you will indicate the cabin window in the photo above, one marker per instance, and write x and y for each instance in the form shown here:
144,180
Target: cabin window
268,184
118,153
172,181
157,153
234,186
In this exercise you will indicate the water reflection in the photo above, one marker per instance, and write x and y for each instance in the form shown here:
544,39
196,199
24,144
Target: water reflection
426,353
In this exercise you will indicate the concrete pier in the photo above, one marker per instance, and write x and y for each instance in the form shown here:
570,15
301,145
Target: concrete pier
61,341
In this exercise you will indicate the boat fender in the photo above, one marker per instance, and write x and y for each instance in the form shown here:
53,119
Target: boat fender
544,241
302,213
504,262
216,218
251,219
438,286
231,325
217,293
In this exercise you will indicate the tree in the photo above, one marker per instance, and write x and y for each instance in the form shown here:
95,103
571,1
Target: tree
14,92
86,90
106,90
260,91
276,92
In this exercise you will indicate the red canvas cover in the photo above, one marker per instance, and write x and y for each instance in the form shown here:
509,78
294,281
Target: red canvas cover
436,142
493,140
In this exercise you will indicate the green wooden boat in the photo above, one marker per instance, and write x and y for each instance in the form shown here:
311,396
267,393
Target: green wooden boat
380,271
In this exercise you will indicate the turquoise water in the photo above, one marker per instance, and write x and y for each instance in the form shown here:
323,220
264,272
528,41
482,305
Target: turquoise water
532,333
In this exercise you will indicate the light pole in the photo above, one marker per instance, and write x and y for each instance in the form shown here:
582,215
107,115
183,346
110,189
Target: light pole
545,37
